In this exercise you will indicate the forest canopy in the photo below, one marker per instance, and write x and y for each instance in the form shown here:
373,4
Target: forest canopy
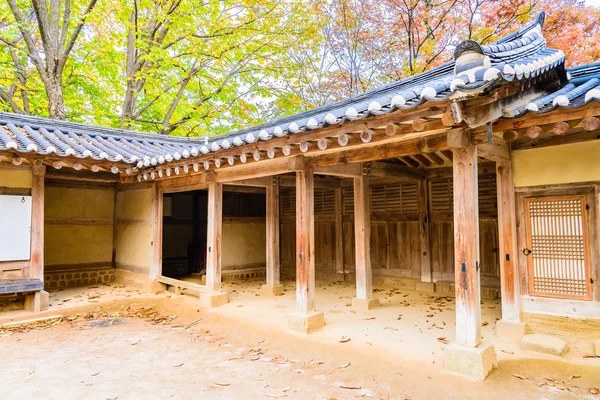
189,67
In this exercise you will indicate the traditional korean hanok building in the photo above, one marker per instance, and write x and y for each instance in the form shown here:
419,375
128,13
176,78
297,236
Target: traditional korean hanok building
479,178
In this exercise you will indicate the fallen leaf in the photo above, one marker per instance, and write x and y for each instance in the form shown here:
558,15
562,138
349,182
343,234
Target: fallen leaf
443,340
344,366
95,374
345,339
574,377
221,383
594,390
352,387
368,318
520,377
178,365
390,328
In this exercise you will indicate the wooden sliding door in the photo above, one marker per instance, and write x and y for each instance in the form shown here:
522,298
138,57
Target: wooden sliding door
558,254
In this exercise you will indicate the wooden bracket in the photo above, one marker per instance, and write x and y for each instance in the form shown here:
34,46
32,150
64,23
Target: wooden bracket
494,152
459,138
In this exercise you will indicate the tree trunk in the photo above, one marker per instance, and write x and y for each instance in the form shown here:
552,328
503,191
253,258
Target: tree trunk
56,102
128,104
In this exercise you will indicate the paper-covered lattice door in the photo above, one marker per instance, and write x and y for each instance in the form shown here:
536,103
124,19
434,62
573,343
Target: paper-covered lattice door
557,250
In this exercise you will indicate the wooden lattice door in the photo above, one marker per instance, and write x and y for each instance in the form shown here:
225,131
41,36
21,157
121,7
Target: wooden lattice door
558,256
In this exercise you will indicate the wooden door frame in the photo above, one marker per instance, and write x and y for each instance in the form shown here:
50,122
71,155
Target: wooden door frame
590,191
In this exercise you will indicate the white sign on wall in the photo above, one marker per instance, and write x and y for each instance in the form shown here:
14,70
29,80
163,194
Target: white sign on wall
15,228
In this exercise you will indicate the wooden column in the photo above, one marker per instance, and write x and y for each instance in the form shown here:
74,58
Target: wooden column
305,242
466,246
272,220
214,224
157,231
362,235
339,233
507,237
424,233
36,267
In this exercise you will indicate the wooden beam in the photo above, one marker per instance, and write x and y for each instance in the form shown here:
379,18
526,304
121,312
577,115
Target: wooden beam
362,235
252,170
305,242
264,182
272,222
507,237
214,225
345,171
435,158
423,160
36,270
466,247
339,232
387,170
493,152
410,161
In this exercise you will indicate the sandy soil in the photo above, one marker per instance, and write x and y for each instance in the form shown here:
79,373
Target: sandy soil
244,351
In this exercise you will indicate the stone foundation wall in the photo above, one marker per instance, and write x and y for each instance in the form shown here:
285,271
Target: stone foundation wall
65,278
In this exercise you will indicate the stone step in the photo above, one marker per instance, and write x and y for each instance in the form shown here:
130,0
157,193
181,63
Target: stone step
544,344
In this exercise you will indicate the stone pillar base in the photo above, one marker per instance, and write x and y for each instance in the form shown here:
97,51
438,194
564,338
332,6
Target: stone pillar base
211,300
425,286
38,301
359,304
475,363
511,332
271,290
306,323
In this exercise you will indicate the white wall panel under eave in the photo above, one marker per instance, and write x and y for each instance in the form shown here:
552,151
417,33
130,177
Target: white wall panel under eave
15,228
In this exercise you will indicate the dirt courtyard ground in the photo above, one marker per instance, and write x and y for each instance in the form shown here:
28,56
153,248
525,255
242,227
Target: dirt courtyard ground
243,351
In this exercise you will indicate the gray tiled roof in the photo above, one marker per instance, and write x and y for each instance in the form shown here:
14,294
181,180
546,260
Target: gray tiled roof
522,55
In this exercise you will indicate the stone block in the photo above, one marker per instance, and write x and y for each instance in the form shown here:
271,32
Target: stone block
544,344
33,302
511,332
44,300
271,290
211,300
359,304
425,286
306,323
475,363
597,347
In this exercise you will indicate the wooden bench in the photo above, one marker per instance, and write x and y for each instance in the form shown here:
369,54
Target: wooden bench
178,285
36,302
21,286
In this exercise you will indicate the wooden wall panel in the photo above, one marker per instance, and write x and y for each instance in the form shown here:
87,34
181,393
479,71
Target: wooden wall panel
379,244
288,242
442,246
325,244
405,247
349,245
488,242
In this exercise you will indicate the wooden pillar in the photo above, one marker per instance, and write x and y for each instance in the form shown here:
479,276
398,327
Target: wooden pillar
339,233
36,267
466,247
424,234
157,230
362,235
305,319
273,285
507,237
305,242
214,222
